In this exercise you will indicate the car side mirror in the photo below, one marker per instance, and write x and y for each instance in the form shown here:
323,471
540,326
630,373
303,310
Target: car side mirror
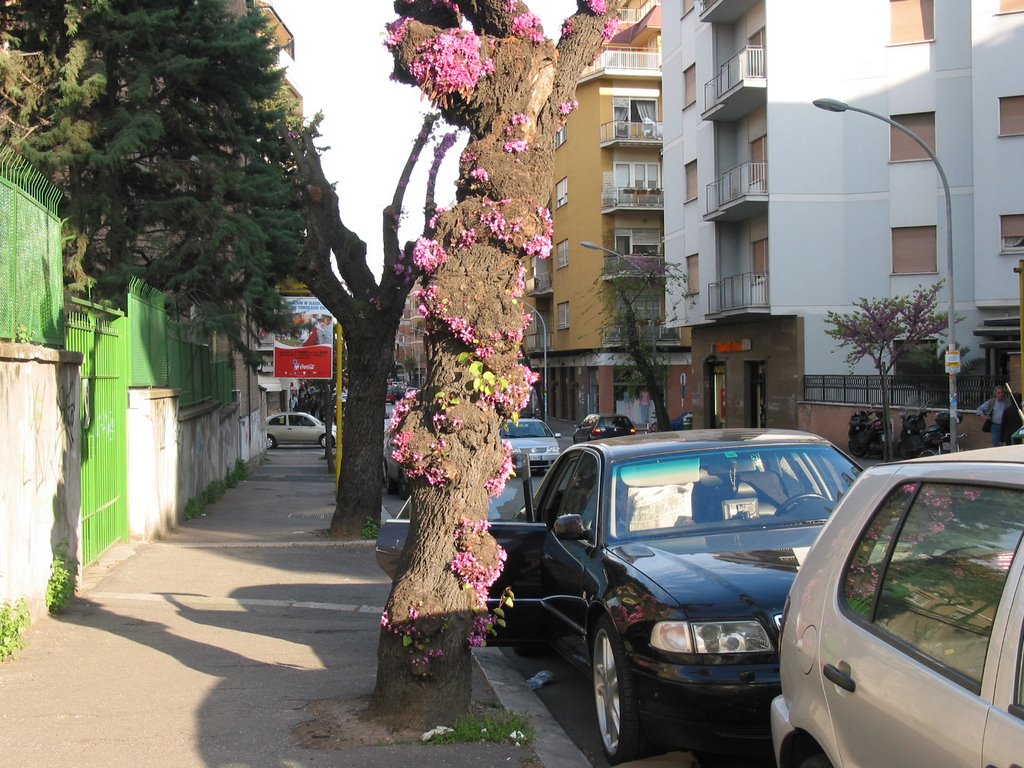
558,434
570,527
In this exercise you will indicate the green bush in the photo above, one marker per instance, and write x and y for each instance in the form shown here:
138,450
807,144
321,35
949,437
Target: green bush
237,474
371,527
14,620
194,508
60,589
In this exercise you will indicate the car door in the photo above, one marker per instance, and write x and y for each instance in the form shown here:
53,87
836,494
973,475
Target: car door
304,429
905,637
1004,732
576,490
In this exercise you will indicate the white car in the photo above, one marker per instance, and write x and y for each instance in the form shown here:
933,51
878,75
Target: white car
535,438
902,635
295,427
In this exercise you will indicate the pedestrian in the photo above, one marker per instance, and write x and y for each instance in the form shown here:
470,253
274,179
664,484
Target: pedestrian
1001,416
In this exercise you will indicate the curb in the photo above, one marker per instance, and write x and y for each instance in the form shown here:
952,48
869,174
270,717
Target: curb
552,745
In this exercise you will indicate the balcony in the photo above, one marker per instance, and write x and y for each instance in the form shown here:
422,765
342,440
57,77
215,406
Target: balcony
615,335
539,284
739,88
724,11
636,15
614,199
537,342
739,193
622,133
634,265
625,61
748,291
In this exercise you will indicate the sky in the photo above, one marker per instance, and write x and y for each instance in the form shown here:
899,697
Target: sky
343,70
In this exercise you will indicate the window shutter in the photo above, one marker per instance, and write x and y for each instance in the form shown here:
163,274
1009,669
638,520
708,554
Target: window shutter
913,250
1011,116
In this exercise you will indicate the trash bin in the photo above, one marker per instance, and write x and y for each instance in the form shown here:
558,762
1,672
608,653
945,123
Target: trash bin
683,421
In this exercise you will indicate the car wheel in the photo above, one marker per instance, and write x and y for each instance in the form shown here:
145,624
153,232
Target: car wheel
816,761
271,441
323,440
618,716
390,485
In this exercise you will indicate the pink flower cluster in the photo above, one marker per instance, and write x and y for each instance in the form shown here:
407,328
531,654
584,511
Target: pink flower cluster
467,567
568,106
568,27
528,25
611,26
480,174
418,640
516,146
428,255
450,63
496,485
395,33
597,6
514,397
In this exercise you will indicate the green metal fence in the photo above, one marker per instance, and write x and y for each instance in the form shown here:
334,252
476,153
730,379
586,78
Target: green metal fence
31,259
101,336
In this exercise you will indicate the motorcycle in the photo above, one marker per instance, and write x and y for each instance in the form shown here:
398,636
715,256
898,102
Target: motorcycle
911,442
866,434
935,438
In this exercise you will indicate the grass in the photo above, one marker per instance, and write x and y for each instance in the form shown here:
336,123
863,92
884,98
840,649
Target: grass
498,726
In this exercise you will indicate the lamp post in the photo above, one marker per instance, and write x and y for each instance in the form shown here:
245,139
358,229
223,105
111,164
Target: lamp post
544,330
952,356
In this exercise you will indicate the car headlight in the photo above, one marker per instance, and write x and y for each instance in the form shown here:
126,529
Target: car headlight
710,637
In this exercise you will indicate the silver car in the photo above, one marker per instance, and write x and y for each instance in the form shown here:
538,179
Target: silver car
294,427
902,635
535,438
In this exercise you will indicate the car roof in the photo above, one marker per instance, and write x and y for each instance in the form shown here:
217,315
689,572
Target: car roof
645,444
1013,454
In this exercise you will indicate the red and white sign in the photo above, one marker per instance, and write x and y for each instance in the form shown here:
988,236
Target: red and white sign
307,350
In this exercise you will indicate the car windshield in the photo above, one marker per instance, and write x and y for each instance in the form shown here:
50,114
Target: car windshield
526,429
733,488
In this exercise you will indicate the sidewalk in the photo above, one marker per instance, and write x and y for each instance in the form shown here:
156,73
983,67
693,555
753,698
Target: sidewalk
209,647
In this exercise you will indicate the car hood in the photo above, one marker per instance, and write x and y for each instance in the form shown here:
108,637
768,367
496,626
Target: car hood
721,575
526,443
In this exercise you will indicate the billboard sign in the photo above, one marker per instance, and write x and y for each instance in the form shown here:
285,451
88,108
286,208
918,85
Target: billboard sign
306,349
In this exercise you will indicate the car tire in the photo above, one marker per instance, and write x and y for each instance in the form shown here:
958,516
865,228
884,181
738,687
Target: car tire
271,441
618,714
323,440
816,761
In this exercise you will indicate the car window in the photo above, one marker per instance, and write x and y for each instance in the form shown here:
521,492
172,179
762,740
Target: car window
581,495
277,421
302,420
929,570
555,490
695,491
589,421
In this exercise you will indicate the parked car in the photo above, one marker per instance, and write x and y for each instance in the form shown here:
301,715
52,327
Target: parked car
535,438
393,475
902,642
601,425
659,564
295,427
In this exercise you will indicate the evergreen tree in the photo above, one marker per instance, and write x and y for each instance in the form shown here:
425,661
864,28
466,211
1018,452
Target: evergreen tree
162,129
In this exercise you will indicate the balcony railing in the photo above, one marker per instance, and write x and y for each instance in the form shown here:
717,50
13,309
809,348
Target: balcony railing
633,15
747,64
616,335
749,289
743,180
632,197
537,341
539,283
638,60
646,132
644,264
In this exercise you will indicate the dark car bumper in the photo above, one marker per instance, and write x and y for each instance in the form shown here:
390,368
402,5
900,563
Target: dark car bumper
713,708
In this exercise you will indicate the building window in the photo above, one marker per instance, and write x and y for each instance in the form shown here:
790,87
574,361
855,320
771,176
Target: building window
692,275
1011,229
902,147
1011,6
691,181
563,314
561,135
1011,116
759,256
913,250
638,242
690,86
561,193
687,6
637,176
911,21
562,253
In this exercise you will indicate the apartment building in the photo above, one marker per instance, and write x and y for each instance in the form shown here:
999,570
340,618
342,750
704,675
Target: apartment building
608,192
780,211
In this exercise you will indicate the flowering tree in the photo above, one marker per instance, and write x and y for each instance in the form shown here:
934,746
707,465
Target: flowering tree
883,331
489,69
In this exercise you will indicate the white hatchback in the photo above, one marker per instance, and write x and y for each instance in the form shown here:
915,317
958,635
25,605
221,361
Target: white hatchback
902,636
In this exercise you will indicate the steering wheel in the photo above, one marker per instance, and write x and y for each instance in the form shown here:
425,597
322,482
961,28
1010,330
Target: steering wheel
790,504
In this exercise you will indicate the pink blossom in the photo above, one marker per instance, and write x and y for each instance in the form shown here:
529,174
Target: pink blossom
520,119
516,146
528,25
597,6
396,32
568,106
568,27
428,255
611,26
480,174
450,63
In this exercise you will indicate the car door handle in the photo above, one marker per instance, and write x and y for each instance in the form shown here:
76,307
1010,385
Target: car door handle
841,679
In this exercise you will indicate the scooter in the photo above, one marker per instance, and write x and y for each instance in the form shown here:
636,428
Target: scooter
867,434
911,441
935,438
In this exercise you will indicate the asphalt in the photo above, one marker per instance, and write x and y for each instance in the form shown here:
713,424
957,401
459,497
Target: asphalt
210,646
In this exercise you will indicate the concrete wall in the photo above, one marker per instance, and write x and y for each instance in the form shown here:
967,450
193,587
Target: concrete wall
40,457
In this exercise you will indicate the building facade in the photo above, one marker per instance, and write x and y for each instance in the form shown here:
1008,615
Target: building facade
780,212
608,192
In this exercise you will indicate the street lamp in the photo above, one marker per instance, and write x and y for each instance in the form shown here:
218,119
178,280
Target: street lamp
833,105
544,330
